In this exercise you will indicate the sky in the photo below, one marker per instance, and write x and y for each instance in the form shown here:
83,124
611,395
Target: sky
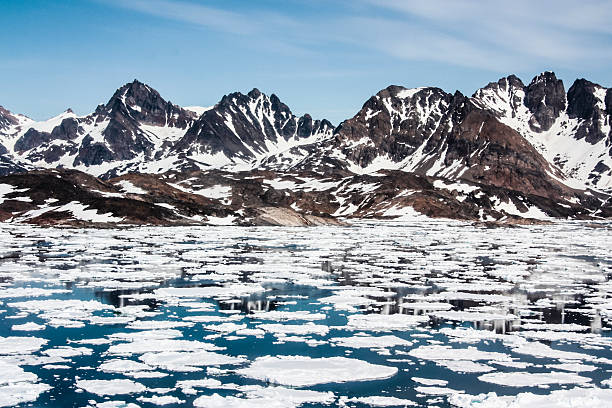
323,57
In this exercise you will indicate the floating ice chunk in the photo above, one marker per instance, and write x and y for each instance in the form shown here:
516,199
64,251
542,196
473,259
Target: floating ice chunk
270,397
429,381
541,350
154,345
250,332
66,351
225,327
56,367
380,401
525,379
299,329
110,320
111,387
157,324
286,315
115,404
463,366
380,322
210,291
576,397
122,366
574,367
299,371
29,292
186,361
52,307
145,374
29,326
20,345
159,334
554,327
10,373
18,393
437,352
370,341
189,386
161,400
436,391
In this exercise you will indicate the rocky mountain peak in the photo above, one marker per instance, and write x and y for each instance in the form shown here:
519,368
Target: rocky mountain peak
254,94
581,99
545,98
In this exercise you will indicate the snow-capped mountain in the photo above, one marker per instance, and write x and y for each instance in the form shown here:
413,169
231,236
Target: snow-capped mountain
508,152
571,130
138,131
243,130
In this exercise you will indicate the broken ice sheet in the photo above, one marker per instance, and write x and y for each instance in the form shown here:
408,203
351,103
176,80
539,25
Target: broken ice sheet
190,312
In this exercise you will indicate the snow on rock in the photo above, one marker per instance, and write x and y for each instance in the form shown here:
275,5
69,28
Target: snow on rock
300,371
129,187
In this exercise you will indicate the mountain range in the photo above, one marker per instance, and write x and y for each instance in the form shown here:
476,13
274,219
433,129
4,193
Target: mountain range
511,153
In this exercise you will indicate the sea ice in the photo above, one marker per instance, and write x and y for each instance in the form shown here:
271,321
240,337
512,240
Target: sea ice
299,371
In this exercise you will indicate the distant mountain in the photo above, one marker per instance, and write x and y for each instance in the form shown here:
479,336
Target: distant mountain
511,151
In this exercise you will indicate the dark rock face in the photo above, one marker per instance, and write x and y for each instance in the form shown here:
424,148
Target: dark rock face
92,154
31,139
545,98
583,104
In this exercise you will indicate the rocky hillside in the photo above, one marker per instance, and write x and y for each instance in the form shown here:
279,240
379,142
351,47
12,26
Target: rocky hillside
508,153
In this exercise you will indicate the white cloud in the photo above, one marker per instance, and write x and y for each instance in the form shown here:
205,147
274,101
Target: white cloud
495,35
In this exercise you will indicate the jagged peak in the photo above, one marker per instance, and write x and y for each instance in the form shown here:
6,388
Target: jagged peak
136,89
402,92
584,83
546,77
255,93
507,82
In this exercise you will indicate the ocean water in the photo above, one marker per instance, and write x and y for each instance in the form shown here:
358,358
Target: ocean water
426,313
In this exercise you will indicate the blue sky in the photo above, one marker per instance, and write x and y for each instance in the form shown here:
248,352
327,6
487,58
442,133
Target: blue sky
324,57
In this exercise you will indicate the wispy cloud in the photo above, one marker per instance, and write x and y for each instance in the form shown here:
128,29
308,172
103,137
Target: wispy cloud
493,35
557,32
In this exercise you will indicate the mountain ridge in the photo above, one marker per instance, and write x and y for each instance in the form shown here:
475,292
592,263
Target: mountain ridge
534,140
